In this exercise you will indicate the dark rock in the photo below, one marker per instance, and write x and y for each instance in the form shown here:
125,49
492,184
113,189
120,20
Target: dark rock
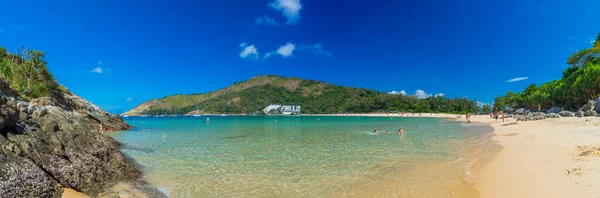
554,110
9,115
590,112
552,115
53,143
5,90
588,106
520,111
20,177
85,161
51,127
531,116
597,107
579,113
566,114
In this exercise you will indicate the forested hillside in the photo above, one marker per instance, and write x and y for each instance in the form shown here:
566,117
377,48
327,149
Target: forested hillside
314,96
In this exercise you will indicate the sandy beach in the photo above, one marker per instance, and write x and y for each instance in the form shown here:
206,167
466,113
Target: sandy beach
547,158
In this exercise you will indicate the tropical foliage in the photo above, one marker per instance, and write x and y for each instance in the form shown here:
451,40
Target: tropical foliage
580,83
26,72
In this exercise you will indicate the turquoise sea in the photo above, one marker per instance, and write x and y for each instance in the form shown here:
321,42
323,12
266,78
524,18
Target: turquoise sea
305,156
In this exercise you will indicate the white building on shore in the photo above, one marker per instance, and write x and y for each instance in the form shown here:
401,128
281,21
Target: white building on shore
282,109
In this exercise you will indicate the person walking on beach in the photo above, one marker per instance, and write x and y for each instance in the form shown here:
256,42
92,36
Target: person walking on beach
539,109
502,112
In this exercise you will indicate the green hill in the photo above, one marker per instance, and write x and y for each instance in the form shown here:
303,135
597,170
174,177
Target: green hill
314,97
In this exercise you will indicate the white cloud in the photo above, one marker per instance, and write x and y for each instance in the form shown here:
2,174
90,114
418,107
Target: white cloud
421,94
290,9
265,20
398,92
590,40
248,51
97,70
316,49
267,55
482,103
286,50
129,100
517,79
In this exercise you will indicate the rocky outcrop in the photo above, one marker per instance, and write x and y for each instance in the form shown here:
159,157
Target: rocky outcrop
45,146
566,114
597,107
579,113
587,110
554,110
531,116
552,115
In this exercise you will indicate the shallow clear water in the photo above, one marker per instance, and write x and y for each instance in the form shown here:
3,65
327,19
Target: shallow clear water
279,156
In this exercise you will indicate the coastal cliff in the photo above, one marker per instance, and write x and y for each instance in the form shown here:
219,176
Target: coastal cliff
48,144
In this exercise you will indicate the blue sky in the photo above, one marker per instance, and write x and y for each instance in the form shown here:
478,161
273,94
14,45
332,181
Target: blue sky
118,54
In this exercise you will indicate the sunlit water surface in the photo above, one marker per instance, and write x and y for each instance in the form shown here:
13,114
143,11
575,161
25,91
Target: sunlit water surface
285,156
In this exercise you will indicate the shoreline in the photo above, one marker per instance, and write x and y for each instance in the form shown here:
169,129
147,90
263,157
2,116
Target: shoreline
546,158
410,115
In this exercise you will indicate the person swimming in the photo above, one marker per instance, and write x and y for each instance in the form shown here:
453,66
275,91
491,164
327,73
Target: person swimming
401,131
387,132
375,131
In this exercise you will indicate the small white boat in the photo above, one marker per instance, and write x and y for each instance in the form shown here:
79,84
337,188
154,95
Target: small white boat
196,115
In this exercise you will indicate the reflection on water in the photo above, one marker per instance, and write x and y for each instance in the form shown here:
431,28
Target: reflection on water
304,156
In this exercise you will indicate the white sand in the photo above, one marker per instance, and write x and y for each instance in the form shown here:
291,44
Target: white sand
541,159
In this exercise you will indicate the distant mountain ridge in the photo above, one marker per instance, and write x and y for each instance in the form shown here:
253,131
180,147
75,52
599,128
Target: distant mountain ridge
315,97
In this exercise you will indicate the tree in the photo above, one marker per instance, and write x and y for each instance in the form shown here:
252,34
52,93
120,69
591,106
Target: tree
486,109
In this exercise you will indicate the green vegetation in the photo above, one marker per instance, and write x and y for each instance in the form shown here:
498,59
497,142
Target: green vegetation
580,83
26,72
314,97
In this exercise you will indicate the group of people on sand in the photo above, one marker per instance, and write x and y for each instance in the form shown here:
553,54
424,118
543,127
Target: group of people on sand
109,129
400,131
496,115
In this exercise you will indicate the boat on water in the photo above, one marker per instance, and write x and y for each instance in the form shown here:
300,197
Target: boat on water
196,115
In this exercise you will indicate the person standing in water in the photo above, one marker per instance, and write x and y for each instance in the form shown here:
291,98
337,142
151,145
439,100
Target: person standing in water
387,132
401,131
468,116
